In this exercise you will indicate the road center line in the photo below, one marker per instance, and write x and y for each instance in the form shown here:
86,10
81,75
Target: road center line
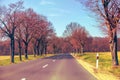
53,60
23,79
45,66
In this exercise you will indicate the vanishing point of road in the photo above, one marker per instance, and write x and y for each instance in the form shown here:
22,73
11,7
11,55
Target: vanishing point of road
58,67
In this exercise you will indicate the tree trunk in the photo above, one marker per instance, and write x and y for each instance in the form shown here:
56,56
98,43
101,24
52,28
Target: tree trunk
41,49
26,50
20,50
45,48
38,47
12,45
38,51
54,49
113,47
78,50
82,50
34,50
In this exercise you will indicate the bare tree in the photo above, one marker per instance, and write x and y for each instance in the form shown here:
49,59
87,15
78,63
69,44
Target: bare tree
78,36
28,24
42,31
81,36
18,35
109,13
9,23
70,28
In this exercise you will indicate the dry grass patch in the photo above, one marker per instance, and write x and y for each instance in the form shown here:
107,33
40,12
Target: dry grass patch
4,57
5,60
105,71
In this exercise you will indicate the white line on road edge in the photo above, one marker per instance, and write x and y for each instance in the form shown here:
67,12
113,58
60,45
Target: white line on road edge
45,66
23,79
53,60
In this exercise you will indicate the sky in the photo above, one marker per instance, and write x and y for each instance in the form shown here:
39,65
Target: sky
61,13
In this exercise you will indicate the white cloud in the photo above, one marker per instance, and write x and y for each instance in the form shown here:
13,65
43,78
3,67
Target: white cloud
62,11
57,12
45,2
54,15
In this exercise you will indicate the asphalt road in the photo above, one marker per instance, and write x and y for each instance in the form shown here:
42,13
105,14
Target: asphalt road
59,67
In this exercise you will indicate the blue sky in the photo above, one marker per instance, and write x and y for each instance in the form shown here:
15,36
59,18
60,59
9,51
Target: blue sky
61,13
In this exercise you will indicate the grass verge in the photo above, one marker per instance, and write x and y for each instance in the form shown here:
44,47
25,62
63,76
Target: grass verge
105,70
5,60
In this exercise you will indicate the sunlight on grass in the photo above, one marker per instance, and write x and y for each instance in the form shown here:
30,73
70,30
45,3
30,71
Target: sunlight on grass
4,57
105,62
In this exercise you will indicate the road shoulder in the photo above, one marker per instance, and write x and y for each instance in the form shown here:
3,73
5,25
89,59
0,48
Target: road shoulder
96,73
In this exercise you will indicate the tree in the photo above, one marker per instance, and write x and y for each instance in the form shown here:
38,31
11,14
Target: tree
65,45
43,30
9,23
50,43
89,46
70,28
28,24
18,35
49,31
4,47
109,12
81,36
78,36
98,46
38,30
53,45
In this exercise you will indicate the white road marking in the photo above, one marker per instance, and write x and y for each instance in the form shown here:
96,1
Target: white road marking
23,79
53,60
45,66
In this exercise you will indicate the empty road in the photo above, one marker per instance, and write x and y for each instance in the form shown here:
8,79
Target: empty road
59,67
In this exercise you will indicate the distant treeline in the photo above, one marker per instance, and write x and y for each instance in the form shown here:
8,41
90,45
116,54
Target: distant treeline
60,45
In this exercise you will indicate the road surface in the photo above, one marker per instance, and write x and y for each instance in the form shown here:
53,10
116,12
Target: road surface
59,67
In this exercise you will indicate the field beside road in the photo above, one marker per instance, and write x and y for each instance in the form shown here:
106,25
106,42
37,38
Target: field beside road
5,60
105,70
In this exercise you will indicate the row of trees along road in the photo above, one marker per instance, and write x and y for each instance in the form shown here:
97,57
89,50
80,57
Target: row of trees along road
66,45
108,12
24,25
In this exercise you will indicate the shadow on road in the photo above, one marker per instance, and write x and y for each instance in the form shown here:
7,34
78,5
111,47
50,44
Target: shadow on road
61,56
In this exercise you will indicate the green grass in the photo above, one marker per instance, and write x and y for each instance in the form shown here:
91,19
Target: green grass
105,62
5,60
